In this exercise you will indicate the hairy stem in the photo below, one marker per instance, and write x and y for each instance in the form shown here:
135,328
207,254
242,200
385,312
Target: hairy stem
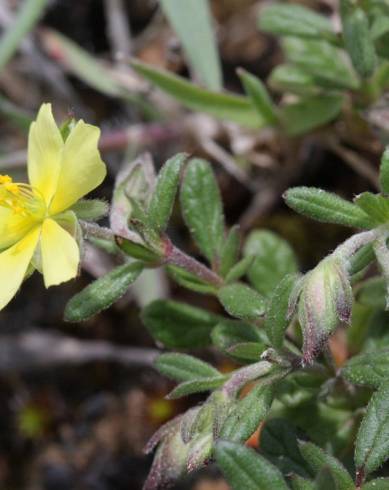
354,243
175,256
96,231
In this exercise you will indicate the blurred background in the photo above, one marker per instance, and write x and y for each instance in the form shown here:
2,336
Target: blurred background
79,401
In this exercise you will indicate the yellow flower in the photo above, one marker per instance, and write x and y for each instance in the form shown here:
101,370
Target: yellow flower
33,216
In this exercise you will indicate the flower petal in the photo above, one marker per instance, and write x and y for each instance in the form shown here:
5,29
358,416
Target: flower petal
13,265
60,254
13,227
45,145
82,169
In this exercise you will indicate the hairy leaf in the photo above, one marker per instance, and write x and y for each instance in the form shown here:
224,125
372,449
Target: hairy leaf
295,20
202,208
310,113
375,206
178,325
372,444
229,333
274,259
276,321
324,62
317,459
245,469
162,200
326,207
279,444
197,386
384,172
241,301
247,414
357,38
182,367
377,484
370,369
230,251
101,293
90,209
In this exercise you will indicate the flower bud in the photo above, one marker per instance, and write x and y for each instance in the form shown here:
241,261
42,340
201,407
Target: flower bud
171,456
325,301
185,443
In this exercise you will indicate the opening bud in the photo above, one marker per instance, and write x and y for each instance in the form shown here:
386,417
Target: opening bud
325,301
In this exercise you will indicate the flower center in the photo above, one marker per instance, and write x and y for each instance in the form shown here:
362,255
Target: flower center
21,199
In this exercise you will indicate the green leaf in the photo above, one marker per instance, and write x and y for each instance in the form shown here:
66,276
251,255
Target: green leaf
321,60
247,351
380,33
178,325
247,414
361,259
182,367
230,251
317,459
279,445
290,78
370,369
372,292
192,22
27,16
372,443
197,386
374,327
276,321
137,251
384,172
162,200
224,106
101,293
326,207
241,301
239,269
325,480
245,469
295,20
375,206
90,209
202,208
357,38
274,259
259,96
91,71
377,484
310,113
190,281
229,333
299,483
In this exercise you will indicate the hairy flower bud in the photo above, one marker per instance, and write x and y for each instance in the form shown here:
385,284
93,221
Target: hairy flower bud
171,456
325,301
186,442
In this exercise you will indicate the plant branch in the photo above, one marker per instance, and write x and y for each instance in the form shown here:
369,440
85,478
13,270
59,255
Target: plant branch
96,231
175,256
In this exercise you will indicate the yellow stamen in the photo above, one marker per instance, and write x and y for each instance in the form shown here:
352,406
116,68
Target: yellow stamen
12,188
5,179
20,198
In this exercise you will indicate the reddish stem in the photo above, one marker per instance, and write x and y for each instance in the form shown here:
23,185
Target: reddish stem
359,478
175,256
